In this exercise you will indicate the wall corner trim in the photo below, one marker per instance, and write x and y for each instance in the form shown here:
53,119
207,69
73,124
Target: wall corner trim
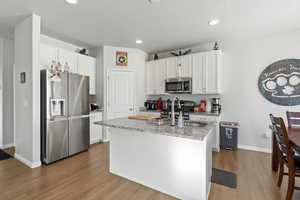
27,162
255,148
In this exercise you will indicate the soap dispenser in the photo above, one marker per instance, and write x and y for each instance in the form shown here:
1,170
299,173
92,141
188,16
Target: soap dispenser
180,123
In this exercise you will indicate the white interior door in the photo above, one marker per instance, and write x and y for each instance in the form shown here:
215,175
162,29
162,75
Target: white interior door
121,94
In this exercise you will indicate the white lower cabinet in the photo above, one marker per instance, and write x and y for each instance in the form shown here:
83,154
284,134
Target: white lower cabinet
95,130
216,120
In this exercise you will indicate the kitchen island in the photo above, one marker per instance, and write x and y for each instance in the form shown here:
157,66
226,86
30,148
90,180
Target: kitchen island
175,161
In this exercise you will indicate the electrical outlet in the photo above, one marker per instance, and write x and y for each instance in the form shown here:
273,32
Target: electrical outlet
267,135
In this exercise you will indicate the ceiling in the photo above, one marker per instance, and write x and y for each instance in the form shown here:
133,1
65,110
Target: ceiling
168,25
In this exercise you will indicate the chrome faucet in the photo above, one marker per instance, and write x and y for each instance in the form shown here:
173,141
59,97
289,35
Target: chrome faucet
173,109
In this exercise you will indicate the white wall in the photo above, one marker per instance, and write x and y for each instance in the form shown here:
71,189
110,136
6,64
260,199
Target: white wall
27,95
242,63
8,131
6,93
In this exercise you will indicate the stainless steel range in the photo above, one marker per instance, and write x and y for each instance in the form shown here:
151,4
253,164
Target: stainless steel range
64,115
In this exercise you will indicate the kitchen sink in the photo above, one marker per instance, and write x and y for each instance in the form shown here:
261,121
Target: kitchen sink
160,121
195,123
166,121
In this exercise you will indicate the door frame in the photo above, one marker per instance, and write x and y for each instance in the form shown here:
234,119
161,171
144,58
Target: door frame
109,72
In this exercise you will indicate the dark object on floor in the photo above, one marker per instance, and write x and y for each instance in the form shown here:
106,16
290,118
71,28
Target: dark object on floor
4,155
225,178
156,56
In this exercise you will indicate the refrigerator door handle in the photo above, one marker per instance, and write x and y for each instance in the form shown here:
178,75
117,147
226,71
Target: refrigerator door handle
79,117
56,119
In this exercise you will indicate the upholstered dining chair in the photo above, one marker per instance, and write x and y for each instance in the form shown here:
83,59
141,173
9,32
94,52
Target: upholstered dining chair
288,156
293,119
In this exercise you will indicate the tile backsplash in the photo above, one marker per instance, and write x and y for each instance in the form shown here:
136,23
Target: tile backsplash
190,97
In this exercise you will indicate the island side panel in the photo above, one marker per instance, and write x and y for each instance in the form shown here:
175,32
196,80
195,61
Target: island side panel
209,143
173,165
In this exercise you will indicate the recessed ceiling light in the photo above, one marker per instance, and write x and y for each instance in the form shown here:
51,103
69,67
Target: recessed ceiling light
72,1
213,22
139,41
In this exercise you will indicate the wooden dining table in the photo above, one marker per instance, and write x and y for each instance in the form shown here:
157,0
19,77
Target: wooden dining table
294,137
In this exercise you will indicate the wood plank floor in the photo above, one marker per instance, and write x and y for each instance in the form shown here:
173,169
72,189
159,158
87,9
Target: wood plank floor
85,176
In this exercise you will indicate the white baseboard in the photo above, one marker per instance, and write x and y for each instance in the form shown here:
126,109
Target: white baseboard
27,162
255,148
94,142
208,193
5,146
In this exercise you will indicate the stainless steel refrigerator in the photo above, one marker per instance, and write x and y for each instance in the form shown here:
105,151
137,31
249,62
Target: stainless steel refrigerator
64,115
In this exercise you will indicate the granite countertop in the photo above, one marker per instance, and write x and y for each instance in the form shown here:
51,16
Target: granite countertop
191,113
189,132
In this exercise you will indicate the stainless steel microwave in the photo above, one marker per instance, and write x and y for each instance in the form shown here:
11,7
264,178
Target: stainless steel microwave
178,85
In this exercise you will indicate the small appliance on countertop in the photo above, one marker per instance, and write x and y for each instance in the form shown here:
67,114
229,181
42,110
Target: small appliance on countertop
216,105
150,105
202,106
206,107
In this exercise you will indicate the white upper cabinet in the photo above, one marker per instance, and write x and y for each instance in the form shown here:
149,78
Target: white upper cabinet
86,65
179,66
47,55
76,62
69,58
172,67
185,66
202,67
206,72
199,62
156,75
150,73
160,76
212,73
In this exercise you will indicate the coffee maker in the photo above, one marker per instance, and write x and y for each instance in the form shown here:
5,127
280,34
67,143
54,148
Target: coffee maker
215,105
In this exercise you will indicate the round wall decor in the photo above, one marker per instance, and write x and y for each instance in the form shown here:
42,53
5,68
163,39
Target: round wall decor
280,82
